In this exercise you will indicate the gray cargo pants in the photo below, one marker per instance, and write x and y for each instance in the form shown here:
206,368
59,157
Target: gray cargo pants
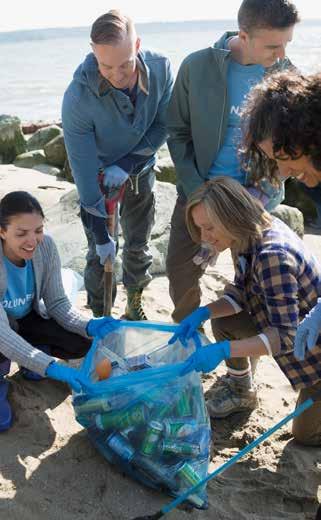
137,213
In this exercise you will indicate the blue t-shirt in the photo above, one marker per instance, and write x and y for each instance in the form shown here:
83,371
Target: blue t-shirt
17,301
240,79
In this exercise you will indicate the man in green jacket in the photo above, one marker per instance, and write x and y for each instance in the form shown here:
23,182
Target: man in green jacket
204,133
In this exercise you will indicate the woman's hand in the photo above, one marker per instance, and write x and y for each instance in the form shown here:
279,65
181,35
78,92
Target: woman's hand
102,326
189,325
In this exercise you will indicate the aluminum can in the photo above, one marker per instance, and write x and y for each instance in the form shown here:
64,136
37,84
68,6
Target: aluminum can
180,448
178,428
122,419
183,406
199,407
156,472
95,405
189,477
138,362
120,445
153,434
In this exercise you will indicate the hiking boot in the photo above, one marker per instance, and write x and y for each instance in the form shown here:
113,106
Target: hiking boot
5,408
230,397
134,310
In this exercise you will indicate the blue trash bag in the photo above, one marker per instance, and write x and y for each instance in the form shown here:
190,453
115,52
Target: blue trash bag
146,418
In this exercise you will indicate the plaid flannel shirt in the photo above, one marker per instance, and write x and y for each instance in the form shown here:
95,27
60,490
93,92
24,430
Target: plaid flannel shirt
277,281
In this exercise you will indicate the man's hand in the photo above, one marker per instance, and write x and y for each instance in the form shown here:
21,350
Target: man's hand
105,251
205,359
308,332
205,256
114,177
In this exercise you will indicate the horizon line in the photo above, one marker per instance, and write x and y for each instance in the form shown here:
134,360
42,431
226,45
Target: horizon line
199,20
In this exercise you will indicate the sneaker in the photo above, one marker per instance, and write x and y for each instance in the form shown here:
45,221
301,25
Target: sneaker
134,310
229,398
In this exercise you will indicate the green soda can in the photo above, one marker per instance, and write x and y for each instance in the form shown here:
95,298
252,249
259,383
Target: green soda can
180,448
133,416
183,406
153,434
199,404
99,404
177,428
189,477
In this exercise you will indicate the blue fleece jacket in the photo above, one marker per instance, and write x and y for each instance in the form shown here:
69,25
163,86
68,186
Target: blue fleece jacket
102,129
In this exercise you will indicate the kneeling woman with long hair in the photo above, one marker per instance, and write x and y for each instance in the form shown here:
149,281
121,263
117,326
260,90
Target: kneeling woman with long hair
30,271
277,281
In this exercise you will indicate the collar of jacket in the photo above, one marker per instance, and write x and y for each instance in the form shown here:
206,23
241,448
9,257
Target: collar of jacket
104,86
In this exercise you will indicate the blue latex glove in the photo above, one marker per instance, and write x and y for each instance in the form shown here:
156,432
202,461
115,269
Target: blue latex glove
308,332
106,250
69,375
102,326
114,177
190,324
206,359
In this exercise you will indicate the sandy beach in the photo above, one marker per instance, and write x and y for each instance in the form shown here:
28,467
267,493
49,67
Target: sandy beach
49,469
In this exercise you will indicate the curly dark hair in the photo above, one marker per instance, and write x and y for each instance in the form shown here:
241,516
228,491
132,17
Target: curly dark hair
285,108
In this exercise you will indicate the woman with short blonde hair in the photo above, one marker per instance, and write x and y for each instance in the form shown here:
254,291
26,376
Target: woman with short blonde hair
277,281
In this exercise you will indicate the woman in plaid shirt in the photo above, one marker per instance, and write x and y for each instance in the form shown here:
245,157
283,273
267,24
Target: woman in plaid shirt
277,281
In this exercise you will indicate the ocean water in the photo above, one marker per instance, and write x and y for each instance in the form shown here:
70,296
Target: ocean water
37,66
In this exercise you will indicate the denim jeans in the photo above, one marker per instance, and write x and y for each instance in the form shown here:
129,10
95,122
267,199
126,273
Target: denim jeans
137,212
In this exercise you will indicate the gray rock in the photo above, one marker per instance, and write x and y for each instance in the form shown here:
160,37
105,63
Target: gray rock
55,152
165,170
65,225
293,217
30,159
12,141
43,136
47,169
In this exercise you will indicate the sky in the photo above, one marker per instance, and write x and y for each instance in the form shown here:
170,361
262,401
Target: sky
36,14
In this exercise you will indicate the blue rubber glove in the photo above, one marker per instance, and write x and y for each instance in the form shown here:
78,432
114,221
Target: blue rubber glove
114,177
206,359
69,375
190,324
308,332
107,250
102,326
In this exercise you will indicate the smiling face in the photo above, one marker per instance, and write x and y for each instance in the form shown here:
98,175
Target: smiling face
21,237
117,63
301,168
212,233
265,46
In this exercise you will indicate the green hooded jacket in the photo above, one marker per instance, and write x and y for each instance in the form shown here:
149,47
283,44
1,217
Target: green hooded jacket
198,112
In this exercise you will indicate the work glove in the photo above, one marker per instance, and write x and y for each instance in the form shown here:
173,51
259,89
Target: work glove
102,326
205,359
69,375
107,250
308,332
206,256
190,324
114,177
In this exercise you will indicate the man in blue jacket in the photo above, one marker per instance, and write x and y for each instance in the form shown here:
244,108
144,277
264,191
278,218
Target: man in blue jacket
113,117
204,134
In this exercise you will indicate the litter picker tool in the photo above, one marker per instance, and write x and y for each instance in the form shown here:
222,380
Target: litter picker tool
112,197
172,505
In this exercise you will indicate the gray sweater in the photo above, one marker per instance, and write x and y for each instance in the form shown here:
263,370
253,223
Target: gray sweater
49,287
